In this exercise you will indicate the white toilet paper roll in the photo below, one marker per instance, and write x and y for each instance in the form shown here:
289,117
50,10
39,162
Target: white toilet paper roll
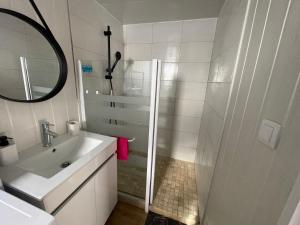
73,127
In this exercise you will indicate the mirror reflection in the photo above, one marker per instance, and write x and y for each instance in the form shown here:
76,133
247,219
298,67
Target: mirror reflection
29,67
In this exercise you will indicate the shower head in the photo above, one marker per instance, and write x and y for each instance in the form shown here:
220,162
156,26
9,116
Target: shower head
118,56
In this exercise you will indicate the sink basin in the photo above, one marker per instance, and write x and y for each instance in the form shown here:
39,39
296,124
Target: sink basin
57,157
45,177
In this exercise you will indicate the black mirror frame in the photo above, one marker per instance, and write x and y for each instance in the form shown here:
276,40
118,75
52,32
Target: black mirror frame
63,66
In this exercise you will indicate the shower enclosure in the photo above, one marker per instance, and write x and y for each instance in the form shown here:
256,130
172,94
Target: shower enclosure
132,115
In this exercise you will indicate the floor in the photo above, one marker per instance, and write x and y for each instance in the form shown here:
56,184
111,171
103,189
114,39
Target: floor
125,214
175,187
129,172
157,219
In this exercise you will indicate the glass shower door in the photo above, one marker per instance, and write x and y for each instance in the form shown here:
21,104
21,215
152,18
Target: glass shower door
130,113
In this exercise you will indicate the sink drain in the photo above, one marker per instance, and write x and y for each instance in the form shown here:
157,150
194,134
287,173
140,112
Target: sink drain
65,164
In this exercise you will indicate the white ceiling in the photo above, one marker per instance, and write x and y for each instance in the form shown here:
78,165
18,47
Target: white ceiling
146,11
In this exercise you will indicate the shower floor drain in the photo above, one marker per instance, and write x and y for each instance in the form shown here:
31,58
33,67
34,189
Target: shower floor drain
65,164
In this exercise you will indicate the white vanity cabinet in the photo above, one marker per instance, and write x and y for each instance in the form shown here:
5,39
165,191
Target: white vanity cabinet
80,209
93,203
106,190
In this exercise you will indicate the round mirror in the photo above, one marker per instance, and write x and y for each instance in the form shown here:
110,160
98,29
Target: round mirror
33,67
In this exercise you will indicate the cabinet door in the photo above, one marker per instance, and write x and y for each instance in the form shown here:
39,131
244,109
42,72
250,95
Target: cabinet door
106,190
80,209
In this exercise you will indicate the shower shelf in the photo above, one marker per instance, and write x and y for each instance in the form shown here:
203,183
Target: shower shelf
131,140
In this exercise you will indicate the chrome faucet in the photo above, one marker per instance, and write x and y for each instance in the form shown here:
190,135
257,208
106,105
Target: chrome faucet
46,133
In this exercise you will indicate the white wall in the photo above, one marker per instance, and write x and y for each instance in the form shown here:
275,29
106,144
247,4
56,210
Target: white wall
88,22
252,182
185,48
224,59
291,212
21,120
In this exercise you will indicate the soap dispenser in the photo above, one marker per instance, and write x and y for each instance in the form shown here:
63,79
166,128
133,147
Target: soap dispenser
8,151
4,141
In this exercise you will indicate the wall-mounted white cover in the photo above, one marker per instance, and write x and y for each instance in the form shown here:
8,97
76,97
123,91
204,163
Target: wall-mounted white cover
14,211
269,133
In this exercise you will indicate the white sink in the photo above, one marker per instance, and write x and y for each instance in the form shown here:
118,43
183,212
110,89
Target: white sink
14,211
52,160
40,176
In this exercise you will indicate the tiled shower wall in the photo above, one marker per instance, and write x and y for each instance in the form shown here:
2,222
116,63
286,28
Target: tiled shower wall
224,59
20,120
185,49
88,21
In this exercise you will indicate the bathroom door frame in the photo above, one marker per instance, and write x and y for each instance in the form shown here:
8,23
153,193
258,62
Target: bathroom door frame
152,136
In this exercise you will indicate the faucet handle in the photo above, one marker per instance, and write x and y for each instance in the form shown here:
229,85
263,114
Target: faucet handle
46,123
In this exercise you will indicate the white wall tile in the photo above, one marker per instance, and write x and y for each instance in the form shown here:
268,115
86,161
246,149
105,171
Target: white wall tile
167,89
166,106
89,11
183,153
199,30
5,4
193,72
138,33
214,70
5,123
188,108
23,123
138,52
24,142
191,91
60,112
247,169
196,52
164,140
92,41
167,52
186,62
217,95
179,123
167,32
232,15
21,115
184,139
186,124
169,71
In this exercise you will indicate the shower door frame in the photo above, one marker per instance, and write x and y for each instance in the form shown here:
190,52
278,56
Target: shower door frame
153,121
152,136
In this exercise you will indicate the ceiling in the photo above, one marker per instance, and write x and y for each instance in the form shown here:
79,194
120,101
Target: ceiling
146,11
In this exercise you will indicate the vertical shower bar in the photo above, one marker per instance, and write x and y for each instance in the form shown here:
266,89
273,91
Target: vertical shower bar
26,79
108,33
